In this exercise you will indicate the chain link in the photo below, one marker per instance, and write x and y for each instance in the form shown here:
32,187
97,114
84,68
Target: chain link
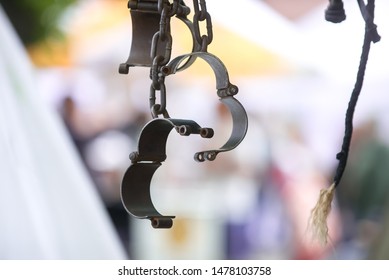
201,14
158,108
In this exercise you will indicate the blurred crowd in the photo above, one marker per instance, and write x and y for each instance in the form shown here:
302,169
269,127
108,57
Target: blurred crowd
253,202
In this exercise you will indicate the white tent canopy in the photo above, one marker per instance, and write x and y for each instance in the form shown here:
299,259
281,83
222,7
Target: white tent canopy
313,43
49,208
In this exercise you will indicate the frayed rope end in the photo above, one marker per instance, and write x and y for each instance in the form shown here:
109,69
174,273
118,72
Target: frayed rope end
317,224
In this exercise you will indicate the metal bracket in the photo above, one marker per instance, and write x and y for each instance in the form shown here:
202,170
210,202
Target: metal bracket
145,24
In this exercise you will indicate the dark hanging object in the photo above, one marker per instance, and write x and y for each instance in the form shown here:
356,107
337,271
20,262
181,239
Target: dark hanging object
335,11
319,214
135,191
152,47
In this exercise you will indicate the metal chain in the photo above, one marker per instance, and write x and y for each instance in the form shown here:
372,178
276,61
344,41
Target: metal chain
167,10
163,37
201,14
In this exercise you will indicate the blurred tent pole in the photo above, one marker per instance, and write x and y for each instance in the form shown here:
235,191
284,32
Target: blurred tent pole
49,208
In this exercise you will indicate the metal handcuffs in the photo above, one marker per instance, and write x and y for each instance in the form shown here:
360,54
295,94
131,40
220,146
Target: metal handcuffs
136,184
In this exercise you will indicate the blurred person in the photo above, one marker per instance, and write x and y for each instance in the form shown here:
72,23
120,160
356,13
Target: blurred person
300,182
106,156
70,114
380,246
104,148
288,191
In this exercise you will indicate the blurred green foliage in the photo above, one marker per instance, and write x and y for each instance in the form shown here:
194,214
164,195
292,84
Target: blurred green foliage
35,20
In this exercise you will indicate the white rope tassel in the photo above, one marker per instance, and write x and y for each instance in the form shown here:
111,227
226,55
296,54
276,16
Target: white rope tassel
317,224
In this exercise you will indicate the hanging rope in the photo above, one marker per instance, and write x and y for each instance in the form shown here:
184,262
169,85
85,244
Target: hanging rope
319,214
371,35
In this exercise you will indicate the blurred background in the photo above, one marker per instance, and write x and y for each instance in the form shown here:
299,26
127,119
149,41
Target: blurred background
78,119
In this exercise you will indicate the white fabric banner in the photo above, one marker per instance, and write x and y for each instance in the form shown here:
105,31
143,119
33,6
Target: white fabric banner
49,208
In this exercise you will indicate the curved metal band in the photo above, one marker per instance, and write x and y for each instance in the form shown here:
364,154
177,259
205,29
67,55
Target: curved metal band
135,188
136,196
221,73
145,24
239,130
226,90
